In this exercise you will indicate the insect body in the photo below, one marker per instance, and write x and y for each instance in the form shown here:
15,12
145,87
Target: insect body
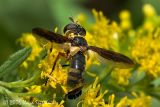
77,66
75,53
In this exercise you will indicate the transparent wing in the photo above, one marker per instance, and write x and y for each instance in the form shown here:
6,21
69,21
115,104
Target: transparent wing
111,57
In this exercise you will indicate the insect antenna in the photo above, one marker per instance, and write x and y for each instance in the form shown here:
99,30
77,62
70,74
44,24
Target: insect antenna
72,20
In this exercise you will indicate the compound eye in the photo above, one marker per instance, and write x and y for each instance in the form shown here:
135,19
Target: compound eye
70,26
81,31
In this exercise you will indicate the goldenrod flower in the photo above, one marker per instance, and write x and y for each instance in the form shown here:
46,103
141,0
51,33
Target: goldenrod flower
125,22
149,25
52,104
93,97
34,89
151,19
28,40
138,101
121,76
144,47
59,75
103,32
146,52
124,102
148,10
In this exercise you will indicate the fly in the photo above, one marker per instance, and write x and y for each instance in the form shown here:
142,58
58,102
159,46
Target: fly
74,36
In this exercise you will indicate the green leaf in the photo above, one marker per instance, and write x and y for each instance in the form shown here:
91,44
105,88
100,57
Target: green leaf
20,83
14,61
136,77
155,102
156,82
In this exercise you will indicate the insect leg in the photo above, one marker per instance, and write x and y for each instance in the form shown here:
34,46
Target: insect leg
60,54
51,48
65,65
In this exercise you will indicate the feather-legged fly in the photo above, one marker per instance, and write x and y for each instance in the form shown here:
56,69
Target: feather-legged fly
74,36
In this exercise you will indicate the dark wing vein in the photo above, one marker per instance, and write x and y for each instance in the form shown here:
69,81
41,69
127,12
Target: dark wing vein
51,36
113,56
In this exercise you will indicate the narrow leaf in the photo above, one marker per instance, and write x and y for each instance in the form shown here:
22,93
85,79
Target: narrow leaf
156,82
136,77
14,61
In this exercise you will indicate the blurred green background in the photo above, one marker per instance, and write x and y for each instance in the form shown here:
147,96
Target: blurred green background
20,16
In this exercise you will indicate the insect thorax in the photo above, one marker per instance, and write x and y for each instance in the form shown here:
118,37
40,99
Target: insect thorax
79,41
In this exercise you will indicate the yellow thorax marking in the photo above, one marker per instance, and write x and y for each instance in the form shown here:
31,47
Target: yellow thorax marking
74,50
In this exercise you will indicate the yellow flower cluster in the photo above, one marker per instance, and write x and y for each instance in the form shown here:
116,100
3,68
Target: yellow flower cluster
148,10
121,76
106,34
125,22
146,47
34,89
28,40
146,52
94,98
103,34
59,75
138,101
53,104
151,18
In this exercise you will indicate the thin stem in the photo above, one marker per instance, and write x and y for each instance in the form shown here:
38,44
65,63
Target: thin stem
12,97
18,84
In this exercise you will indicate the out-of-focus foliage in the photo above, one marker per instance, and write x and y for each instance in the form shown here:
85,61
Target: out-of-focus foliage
20,16
106,86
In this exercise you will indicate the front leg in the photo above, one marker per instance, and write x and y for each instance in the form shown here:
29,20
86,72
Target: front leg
60,54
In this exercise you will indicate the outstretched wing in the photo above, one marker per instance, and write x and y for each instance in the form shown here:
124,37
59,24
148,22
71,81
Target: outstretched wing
51,36
117,59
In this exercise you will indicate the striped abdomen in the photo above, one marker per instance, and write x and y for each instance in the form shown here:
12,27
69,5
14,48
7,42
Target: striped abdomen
75,75
76,69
